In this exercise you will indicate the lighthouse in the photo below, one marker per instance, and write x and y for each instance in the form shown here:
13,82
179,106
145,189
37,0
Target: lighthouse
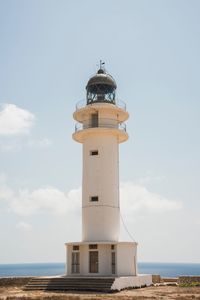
101,128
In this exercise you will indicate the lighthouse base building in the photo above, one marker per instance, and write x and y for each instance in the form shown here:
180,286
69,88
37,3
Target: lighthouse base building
100,130
103,259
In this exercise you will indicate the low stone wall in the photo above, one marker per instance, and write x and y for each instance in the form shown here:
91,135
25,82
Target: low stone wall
156,278
169,279
179,280
188,279
14,281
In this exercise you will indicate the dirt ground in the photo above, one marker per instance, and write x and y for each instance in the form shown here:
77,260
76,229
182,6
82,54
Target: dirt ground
154,292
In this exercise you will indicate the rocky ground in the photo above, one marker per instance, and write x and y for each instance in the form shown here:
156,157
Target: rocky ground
154,292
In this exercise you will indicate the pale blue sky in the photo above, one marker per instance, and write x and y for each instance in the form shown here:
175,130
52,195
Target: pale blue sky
48,50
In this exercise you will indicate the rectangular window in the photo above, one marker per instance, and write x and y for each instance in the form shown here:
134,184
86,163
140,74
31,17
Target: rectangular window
94,199
113,262
94,152
75,248
112,247
93,246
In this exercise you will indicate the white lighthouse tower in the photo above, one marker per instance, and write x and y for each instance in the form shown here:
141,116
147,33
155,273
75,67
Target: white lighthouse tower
100,130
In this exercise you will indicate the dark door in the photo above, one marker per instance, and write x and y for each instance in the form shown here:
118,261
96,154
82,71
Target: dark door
94,120
93,261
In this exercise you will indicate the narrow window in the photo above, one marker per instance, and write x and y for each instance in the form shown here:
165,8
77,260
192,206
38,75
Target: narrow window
113,262
112,247
94,152
94,198
75,267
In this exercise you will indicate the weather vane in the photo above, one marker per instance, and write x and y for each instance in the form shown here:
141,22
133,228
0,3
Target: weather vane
101,64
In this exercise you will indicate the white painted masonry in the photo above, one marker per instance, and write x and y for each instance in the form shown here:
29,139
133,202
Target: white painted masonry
100,220
131,281
100,130
126,258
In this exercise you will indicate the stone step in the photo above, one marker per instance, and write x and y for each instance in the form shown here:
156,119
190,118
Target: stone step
64,283
65,287
81,284
74,280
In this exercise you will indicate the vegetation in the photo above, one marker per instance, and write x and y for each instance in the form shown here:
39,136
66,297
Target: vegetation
190,284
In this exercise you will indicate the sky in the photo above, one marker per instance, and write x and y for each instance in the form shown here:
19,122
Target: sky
48,51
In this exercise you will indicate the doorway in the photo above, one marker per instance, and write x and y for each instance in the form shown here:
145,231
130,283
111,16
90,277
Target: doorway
94,120
93,261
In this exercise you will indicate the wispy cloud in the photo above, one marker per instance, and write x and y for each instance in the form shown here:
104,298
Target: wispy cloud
137,198
15,129
49,200
40,143
15,120
5,191
43,200
16,144
24,226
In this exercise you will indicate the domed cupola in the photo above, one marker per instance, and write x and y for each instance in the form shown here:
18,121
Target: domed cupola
101,88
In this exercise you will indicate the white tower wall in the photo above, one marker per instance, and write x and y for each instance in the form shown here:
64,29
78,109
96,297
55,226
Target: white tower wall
100,219
100,130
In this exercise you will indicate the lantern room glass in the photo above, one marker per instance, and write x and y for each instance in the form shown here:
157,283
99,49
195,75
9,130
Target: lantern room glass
100,93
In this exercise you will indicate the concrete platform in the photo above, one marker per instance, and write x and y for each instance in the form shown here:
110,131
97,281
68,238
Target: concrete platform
84,283
137,281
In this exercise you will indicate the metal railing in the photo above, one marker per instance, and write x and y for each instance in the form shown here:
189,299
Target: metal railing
101,123
82,103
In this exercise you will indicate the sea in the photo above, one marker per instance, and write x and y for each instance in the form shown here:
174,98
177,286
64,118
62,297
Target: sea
51,269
